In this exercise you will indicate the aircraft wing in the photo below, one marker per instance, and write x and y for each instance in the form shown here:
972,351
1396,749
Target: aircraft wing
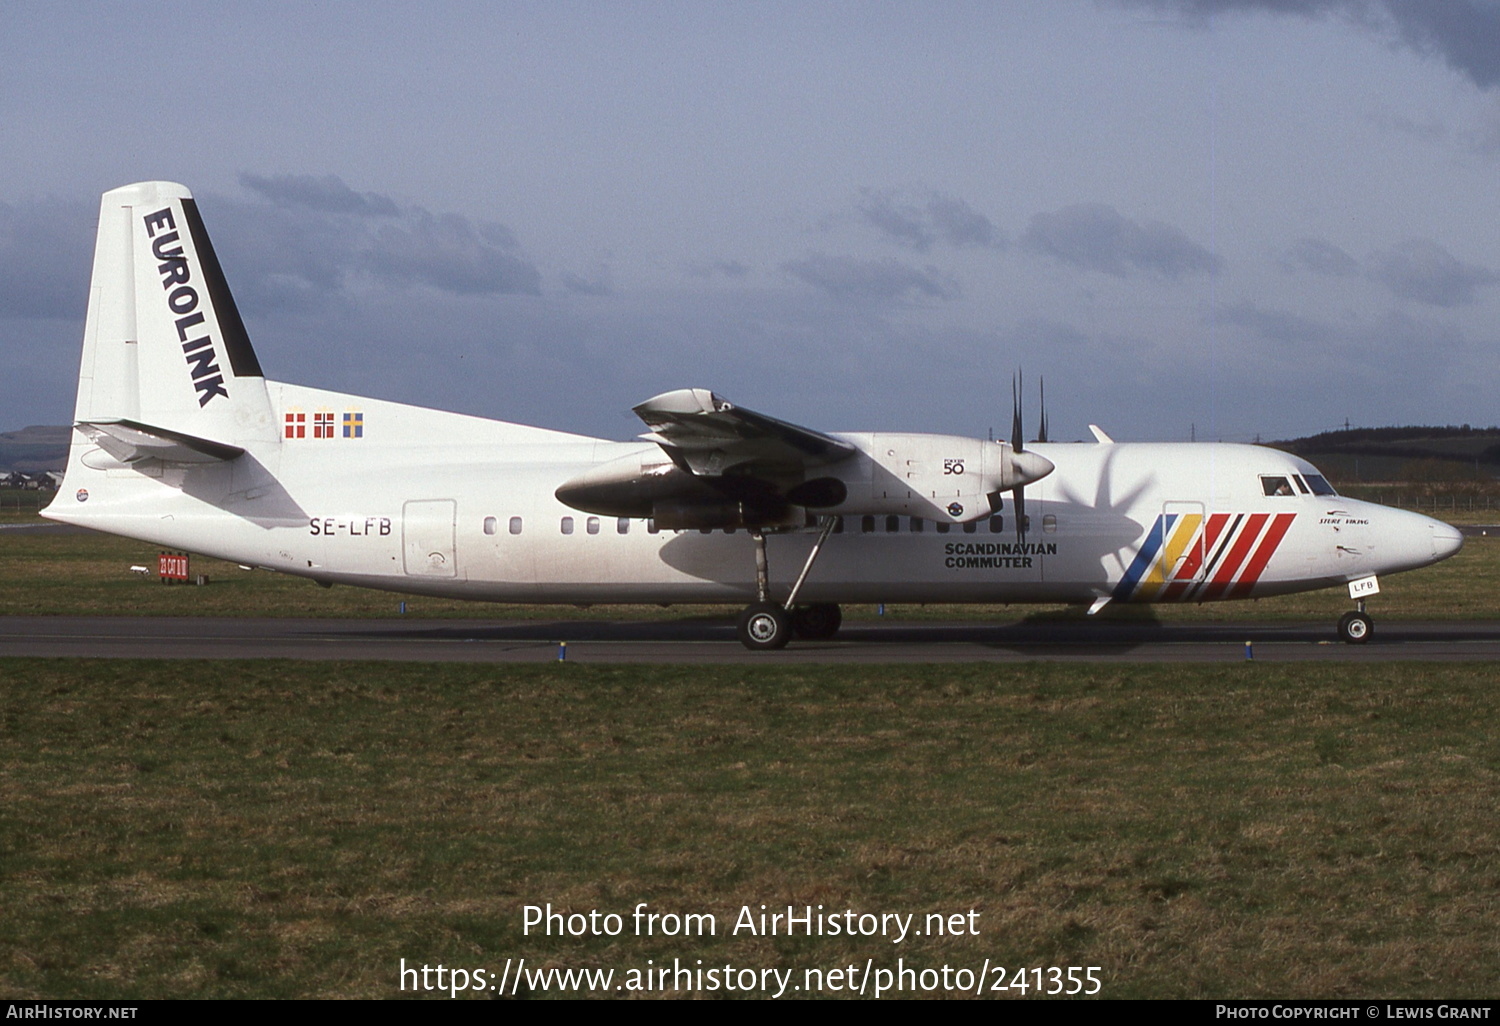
707,436
130,442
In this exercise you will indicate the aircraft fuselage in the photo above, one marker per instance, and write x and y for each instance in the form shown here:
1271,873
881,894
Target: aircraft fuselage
480,520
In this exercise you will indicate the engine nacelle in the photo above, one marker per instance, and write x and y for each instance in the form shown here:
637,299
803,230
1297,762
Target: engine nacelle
938,477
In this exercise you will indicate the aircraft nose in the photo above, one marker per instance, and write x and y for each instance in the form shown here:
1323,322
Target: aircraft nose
1445,540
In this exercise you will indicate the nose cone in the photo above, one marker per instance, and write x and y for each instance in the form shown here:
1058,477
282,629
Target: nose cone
1445,539
1403,540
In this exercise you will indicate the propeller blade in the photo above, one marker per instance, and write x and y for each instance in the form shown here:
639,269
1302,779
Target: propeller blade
1017,441
1041,435
1025,466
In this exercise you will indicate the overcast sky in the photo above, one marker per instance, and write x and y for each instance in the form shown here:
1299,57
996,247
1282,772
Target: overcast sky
1238,217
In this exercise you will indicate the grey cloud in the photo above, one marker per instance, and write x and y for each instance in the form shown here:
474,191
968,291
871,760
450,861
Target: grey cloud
293,247
960,224
44,258
1485,136
728,268
446,252
1402,335
1321,257
1032,332
328,195
595,286
850,278
1465,34
918,222
1429,131
497,235
1275,325
281,258
1421,270
1345,351
1097,237
304,241
904,225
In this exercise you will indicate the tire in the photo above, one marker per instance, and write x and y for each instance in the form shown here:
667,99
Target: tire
817,622
1355,628
764,627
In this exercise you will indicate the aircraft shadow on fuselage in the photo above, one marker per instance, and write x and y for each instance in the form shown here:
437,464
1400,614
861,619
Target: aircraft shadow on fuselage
246,489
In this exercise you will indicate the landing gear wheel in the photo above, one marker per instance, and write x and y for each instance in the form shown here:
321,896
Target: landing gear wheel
817,622
1355,628
764,627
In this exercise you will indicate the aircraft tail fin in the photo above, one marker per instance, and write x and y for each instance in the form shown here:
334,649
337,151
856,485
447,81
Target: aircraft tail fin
164,348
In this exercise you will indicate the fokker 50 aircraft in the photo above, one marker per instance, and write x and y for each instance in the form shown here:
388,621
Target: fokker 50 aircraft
180,440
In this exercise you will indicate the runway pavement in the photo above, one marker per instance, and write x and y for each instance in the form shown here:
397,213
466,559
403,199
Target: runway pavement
713,641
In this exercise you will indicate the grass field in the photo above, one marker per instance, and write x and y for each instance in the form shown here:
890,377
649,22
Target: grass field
272,829
88,574
264,829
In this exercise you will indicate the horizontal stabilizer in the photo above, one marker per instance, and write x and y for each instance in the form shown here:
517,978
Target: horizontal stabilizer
130,442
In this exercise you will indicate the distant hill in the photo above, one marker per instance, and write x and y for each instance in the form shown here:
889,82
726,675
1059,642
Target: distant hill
1425,454
35,448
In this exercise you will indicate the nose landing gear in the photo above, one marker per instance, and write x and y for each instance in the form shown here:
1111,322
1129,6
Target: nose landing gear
1355,626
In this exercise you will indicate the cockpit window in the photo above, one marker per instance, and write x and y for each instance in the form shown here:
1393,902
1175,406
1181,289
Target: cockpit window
1301,484
1275,485
1320,485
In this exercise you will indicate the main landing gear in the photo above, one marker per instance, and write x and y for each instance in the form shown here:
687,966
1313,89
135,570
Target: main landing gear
1355,626
767,625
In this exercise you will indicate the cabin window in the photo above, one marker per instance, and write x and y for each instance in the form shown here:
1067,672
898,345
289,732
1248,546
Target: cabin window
593,525
622,526
942,527
916,525
515,525
1319,485
838,525
491,525
971,527
867,525
997,525
705,530
1275,485
651,527
567,525
1049,523
892,524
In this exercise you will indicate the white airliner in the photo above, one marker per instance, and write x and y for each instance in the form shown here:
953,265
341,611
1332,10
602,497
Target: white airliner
179,440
